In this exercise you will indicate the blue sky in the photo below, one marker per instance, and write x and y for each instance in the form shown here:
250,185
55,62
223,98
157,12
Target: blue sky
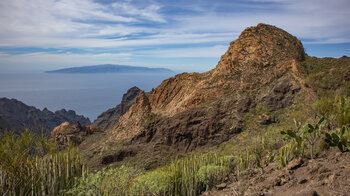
183,35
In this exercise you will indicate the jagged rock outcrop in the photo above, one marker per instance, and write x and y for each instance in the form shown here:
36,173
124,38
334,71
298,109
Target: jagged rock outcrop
15,115
108,119
67,134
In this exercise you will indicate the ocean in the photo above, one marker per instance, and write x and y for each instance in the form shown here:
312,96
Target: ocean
86,94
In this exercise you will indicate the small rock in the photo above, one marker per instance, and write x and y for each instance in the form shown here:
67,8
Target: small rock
324,170
295,163
284,181
313,167
221,186
302,181
330,179
277,181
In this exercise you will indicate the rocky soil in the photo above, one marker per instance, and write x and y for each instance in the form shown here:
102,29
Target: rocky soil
329,174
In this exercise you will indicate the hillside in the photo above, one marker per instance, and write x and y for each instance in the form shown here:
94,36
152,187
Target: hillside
108,68
15,115
191,110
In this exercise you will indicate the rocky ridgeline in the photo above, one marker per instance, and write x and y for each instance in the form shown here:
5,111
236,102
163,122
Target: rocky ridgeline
15,115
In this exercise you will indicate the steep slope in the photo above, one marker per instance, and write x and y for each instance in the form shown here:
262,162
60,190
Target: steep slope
15,115
109,118
193,110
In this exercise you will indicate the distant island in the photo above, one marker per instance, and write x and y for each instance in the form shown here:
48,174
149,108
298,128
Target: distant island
109,68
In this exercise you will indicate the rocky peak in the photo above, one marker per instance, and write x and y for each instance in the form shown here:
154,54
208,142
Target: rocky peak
258,48
107,120
130,94
142,103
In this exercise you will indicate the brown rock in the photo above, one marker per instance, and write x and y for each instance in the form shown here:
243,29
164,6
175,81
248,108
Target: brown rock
295,163
221,186
302,181
67,134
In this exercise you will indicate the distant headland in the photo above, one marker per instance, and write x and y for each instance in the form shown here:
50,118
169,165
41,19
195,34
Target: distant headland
109,68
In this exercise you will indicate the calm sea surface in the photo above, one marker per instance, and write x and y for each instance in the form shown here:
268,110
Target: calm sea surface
87,94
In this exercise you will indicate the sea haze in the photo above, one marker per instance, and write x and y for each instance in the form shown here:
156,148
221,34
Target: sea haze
87,94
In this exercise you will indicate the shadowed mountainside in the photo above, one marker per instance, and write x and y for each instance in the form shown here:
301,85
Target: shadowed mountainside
15,115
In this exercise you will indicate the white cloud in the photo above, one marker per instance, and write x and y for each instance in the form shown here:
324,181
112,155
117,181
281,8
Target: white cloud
138,28
193,52
150,12
67,18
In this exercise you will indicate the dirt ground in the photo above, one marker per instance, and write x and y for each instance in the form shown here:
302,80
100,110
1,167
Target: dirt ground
329,174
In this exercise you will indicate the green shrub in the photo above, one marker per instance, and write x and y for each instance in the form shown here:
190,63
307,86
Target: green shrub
157,182
113,181
211,175
29,164
336,111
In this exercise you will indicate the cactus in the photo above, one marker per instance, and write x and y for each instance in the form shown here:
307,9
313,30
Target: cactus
27,169
337,139
311,133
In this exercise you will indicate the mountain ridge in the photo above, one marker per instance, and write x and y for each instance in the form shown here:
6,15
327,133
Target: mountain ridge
15,115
